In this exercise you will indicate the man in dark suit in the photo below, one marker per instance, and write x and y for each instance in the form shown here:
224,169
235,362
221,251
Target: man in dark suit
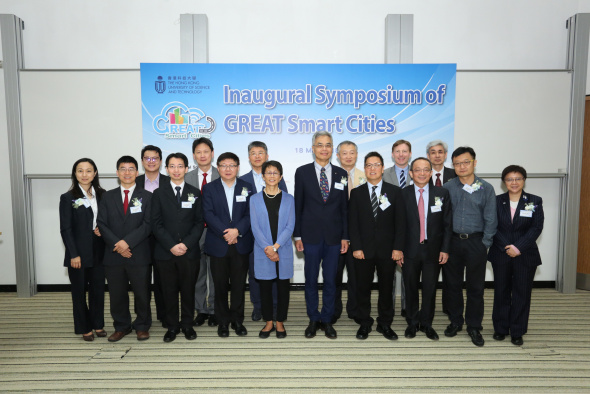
321,229
258,155
428,236
177,222
151,159
124,222
204,288
376,227
229,241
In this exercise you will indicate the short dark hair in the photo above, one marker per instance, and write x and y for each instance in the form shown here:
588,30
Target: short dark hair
400,142
177,155
513,168
126,159
257,144
419,158
463,149
272,163
228,155
202,140
151,147
374,154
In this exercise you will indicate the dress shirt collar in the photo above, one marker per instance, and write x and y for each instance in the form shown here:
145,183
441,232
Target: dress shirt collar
131,190
174,187
378,190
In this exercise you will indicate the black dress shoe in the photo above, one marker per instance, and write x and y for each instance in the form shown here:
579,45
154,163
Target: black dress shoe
363,332
265,334
387,332
281,334
223,331
452,330
170,335
517,341
212,322
476,337
189,333
239,329
499,337
328,330
411,332
430,333
256,315
311,329
200,319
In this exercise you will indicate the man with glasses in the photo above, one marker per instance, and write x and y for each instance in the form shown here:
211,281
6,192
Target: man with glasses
321,229
376,227
151,159
124,222
428,232
474,226
258,155
229,241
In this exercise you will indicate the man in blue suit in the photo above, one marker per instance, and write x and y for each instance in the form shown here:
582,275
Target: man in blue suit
228,241
321,229
258,155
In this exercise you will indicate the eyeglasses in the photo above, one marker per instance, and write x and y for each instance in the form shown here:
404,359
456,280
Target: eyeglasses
151,159
421,170
373,165
227,166
463,163
180,167
257,154
510,180
275,173
131,170
321,146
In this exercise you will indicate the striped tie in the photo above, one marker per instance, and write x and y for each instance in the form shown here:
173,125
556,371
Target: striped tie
402,180
374,202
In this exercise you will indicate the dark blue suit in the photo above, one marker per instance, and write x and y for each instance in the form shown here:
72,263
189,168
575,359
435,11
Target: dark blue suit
229,263
321,226
513,277
252,281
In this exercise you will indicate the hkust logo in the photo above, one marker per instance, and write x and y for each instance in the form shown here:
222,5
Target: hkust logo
160,85
178,121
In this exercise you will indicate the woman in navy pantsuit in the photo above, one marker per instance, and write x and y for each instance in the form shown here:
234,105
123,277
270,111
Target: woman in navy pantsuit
78,210
515,255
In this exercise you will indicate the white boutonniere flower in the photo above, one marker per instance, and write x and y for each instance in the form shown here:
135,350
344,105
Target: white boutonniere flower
438,201
476,186
245,192
383,199
136,202
77,203
344,181
191,198
362,181
530,207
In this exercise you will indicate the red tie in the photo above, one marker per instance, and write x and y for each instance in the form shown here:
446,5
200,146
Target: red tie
126,202
421,214
438,183
204,181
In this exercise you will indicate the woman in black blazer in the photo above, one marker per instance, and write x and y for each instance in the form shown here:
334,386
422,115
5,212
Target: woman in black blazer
515,255
78,210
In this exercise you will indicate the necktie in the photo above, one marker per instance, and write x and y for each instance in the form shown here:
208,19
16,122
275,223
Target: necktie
374,202
178,194
204,181
402,180
438,182
421,214
324,184
349,184
126,201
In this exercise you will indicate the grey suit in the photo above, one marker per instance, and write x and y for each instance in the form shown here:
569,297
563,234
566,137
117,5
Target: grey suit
203,304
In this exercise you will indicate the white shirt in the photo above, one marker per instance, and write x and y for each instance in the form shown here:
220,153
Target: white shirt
377,191
174,185
200,175
131,189
93,204
441,172
229,195
426,208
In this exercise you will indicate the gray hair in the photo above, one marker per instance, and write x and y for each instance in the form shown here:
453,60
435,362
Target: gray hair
321,134
435,143
346,143
257,144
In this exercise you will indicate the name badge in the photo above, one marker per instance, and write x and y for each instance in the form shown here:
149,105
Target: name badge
435,208
339,186
86,203
385,205
135,209
187,204
526,214
468,188
240,198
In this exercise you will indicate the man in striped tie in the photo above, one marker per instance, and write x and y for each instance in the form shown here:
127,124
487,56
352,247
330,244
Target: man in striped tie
376,227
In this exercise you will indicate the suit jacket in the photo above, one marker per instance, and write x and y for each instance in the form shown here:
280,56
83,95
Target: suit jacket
140,180
377,238
448,174
250,179
316,220
521,232
192,177
390,176
134,228
77,233
264,267
216,214
439,225
173,224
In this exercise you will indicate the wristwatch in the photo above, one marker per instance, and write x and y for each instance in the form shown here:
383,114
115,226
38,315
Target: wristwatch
273,248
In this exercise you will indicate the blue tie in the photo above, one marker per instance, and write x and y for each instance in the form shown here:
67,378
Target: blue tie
402,180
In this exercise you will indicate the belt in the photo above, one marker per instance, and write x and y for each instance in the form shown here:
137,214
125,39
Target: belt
467,236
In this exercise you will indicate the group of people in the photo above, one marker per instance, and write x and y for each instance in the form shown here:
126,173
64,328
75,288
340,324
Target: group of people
205,231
